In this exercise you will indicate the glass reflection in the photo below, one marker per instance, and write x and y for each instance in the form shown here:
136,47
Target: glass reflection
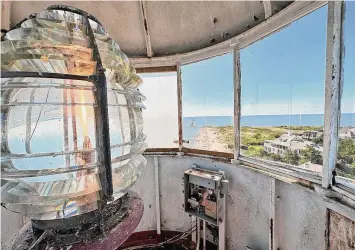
49,161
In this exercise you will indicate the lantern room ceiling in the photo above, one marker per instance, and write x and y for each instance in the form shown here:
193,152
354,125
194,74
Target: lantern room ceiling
155,29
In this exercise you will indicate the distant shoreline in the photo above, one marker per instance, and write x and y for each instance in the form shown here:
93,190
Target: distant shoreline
347,119
210,116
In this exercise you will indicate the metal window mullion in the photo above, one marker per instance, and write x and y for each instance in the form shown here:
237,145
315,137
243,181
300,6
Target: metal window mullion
22,74
237,100
179,98
101,120
333,81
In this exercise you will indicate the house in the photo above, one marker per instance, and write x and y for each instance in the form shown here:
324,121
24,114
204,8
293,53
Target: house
295,143
347,133
310,135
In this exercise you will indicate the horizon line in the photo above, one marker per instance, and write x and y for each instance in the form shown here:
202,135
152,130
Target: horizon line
257,115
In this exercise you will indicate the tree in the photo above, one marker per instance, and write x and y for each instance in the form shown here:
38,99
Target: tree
310,154
255,151
318,140
274,157
290,157
346,150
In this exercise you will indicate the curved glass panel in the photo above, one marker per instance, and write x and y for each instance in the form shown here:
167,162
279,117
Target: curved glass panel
104,41
49,161
35,198
48,35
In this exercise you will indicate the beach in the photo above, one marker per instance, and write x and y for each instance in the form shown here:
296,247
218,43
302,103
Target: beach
208,138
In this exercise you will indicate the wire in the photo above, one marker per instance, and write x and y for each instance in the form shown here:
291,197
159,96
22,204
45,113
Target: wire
173,239
35,244
198,234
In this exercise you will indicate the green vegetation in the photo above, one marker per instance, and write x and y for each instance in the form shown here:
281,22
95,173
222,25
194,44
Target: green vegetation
252,139
290,157
253,142
318,140
300,128
310,154
255,136
346,152
226,135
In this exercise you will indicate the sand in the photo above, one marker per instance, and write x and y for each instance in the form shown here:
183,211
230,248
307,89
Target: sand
207,139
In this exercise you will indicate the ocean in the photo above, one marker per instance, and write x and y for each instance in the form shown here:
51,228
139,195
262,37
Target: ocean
191,125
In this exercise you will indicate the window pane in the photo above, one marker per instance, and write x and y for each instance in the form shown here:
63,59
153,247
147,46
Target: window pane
283,94
346,144
160,116
207,99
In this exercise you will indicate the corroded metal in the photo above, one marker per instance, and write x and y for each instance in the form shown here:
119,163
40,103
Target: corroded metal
110,229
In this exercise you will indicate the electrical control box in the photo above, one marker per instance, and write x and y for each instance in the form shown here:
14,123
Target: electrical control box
204,193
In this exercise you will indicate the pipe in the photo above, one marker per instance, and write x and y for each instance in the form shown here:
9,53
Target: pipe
204,235
198,234
157,193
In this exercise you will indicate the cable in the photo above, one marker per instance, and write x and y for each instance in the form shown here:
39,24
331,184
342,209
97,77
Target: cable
173,239
198,234
35,244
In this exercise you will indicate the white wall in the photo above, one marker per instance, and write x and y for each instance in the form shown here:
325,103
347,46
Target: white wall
10,225
300,213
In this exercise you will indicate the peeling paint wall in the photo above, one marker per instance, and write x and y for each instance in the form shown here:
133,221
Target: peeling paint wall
341,232
145,188
10,225
300,218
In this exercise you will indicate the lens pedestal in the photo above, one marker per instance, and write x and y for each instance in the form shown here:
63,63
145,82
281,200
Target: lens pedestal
106,228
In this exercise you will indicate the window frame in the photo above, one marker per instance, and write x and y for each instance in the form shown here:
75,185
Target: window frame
161,70
332,97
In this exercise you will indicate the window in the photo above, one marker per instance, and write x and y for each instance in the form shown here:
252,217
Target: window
345,167
161,113
207,99
282,99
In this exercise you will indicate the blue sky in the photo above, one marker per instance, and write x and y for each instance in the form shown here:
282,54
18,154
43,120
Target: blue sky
281,74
